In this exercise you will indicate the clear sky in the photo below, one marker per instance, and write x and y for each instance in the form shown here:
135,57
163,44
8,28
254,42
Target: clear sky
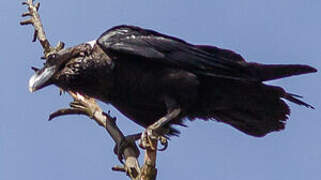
74,147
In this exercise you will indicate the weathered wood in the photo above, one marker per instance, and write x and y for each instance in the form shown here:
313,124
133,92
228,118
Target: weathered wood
148,170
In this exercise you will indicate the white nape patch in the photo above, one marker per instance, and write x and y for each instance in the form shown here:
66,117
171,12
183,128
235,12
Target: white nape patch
79,96
92,43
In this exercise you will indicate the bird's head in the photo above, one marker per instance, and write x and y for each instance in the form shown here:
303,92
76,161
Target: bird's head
73,68
43,77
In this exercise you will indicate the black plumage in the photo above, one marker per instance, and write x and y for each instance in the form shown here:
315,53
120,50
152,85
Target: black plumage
145,74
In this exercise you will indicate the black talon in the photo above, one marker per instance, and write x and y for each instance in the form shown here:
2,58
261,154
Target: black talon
163,142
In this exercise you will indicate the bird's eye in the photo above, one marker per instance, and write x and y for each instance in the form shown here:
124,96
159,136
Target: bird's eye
52,56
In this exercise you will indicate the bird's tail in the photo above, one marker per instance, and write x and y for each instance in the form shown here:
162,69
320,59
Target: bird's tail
295,99
277,71
253,108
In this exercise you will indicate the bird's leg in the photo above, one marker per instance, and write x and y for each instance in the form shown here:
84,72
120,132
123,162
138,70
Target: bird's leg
130,141
153,132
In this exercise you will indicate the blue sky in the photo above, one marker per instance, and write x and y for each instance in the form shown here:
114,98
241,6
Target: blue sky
74,147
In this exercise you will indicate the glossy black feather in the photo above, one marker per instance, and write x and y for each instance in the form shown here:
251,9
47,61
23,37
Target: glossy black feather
134,69
153,46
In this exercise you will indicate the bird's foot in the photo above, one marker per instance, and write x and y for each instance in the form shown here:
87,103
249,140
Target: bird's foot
149,139
127,141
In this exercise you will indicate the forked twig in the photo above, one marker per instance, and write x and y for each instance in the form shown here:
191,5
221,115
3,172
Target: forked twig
39,32
36,22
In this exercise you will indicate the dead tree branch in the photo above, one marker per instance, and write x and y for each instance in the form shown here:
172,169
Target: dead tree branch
148,170
88,106
39,32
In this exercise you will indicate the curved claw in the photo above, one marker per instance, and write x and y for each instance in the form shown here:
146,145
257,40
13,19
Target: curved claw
163,142
148,139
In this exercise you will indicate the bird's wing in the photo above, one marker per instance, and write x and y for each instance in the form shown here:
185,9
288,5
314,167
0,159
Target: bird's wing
153,46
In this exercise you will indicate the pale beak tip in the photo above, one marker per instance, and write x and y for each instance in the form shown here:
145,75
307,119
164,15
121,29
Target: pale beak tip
31,89
31,84
41,78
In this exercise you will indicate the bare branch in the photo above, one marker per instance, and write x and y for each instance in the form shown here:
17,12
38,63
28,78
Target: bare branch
36,22
148,170
39,32
66,111
88,106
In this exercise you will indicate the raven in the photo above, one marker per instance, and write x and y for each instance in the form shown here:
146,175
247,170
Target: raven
158,81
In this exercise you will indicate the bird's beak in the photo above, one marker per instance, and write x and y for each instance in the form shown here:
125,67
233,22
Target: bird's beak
42,78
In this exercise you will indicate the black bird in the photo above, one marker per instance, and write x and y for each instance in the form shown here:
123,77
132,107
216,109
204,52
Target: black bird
158,81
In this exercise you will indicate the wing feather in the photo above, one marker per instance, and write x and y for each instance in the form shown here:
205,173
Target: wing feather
160,48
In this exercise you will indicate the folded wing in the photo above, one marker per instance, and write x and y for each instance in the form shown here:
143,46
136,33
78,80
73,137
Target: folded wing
148,45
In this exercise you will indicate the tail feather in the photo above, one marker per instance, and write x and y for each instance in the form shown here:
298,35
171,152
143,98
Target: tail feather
292,98
254,124
253,108
260,119
277,71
